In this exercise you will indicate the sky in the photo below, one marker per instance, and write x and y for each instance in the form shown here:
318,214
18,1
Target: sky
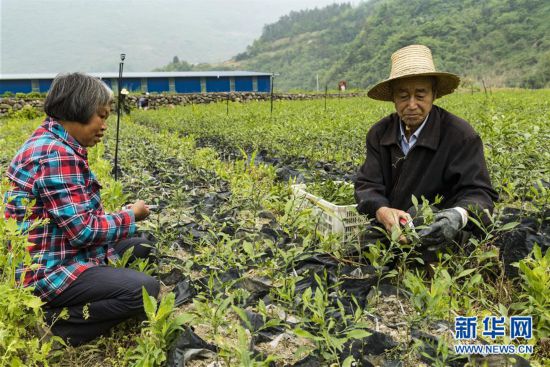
52,36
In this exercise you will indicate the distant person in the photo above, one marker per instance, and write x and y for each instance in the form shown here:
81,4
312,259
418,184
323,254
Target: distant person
125,106
422,150
72,252
342,85
143,101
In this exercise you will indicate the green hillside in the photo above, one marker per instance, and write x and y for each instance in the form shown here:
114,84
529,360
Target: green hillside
498,42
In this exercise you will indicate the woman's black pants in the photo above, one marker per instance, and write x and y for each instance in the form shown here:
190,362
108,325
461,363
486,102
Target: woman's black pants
102,297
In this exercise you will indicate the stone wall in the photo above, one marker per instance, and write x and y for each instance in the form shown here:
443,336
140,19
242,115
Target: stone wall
8,105
184,99
12,104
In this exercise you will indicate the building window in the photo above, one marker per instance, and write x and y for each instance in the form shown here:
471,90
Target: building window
172,85
255,84
203,85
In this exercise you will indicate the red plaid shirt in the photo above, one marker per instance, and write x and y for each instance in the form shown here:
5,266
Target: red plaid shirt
52,168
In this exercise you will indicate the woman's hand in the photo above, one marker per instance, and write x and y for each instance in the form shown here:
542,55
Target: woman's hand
141,211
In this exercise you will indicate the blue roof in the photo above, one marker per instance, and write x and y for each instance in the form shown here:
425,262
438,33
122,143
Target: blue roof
150,74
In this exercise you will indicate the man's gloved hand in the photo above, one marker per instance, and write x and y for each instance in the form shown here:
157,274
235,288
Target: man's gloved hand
445,227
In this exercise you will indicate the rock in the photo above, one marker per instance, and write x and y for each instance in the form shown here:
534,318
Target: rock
169,100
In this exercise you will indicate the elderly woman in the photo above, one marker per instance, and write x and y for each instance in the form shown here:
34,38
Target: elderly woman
71,253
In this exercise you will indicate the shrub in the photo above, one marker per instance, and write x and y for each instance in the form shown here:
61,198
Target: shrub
20,311
27,112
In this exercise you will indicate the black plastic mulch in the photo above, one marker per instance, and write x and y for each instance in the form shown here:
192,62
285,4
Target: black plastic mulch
517,243
259,331
189,346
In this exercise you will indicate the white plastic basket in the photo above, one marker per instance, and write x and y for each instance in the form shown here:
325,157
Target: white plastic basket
342,220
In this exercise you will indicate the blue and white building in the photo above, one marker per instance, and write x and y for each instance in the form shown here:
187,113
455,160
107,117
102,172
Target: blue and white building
153,82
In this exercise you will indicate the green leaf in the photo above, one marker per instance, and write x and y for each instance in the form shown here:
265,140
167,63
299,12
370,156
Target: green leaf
537,253
357,334
348,362
242,314
306,296
16,362
395,233
166,306
508,226
185,318
35,303
306,334
149,304
271,323
414,201
465,273
248,248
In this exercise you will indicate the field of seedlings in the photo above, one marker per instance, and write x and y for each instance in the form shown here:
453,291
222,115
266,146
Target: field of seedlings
247,278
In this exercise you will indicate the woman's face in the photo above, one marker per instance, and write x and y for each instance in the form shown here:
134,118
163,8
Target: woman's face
90,134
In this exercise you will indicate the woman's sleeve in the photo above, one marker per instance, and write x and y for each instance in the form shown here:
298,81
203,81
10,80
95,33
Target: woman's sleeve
61,186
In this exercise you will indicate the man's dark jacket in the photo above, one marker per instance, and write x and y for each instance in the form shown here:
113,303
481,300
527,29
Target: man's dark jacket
447,159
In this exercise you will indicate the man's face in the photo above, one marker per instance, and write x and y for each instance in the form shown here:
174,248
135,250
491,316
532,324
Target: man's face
413,98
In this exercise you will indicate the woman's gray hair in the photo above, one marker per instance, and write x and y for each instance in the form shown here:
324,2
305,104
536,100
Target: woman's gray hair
76,97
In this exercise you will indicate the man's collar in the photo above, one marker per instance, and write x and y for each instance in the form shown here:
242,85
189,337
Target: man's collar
430,137
58,130
417,131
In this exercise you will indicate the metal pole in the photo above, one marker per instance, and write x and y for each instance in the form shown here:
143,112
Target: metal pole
120,67
272,81
326,92
317,83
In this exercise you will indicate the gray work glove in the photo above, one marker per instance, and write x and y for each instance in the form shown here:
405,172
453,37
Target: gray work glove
447,223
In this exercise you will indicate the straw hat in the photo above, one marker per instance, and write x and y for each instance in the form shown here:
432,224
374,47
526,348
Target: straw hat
413,60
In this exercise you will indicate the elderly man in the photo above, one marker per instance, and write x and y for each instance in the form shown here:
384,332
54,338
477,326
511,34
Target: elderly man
422,150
